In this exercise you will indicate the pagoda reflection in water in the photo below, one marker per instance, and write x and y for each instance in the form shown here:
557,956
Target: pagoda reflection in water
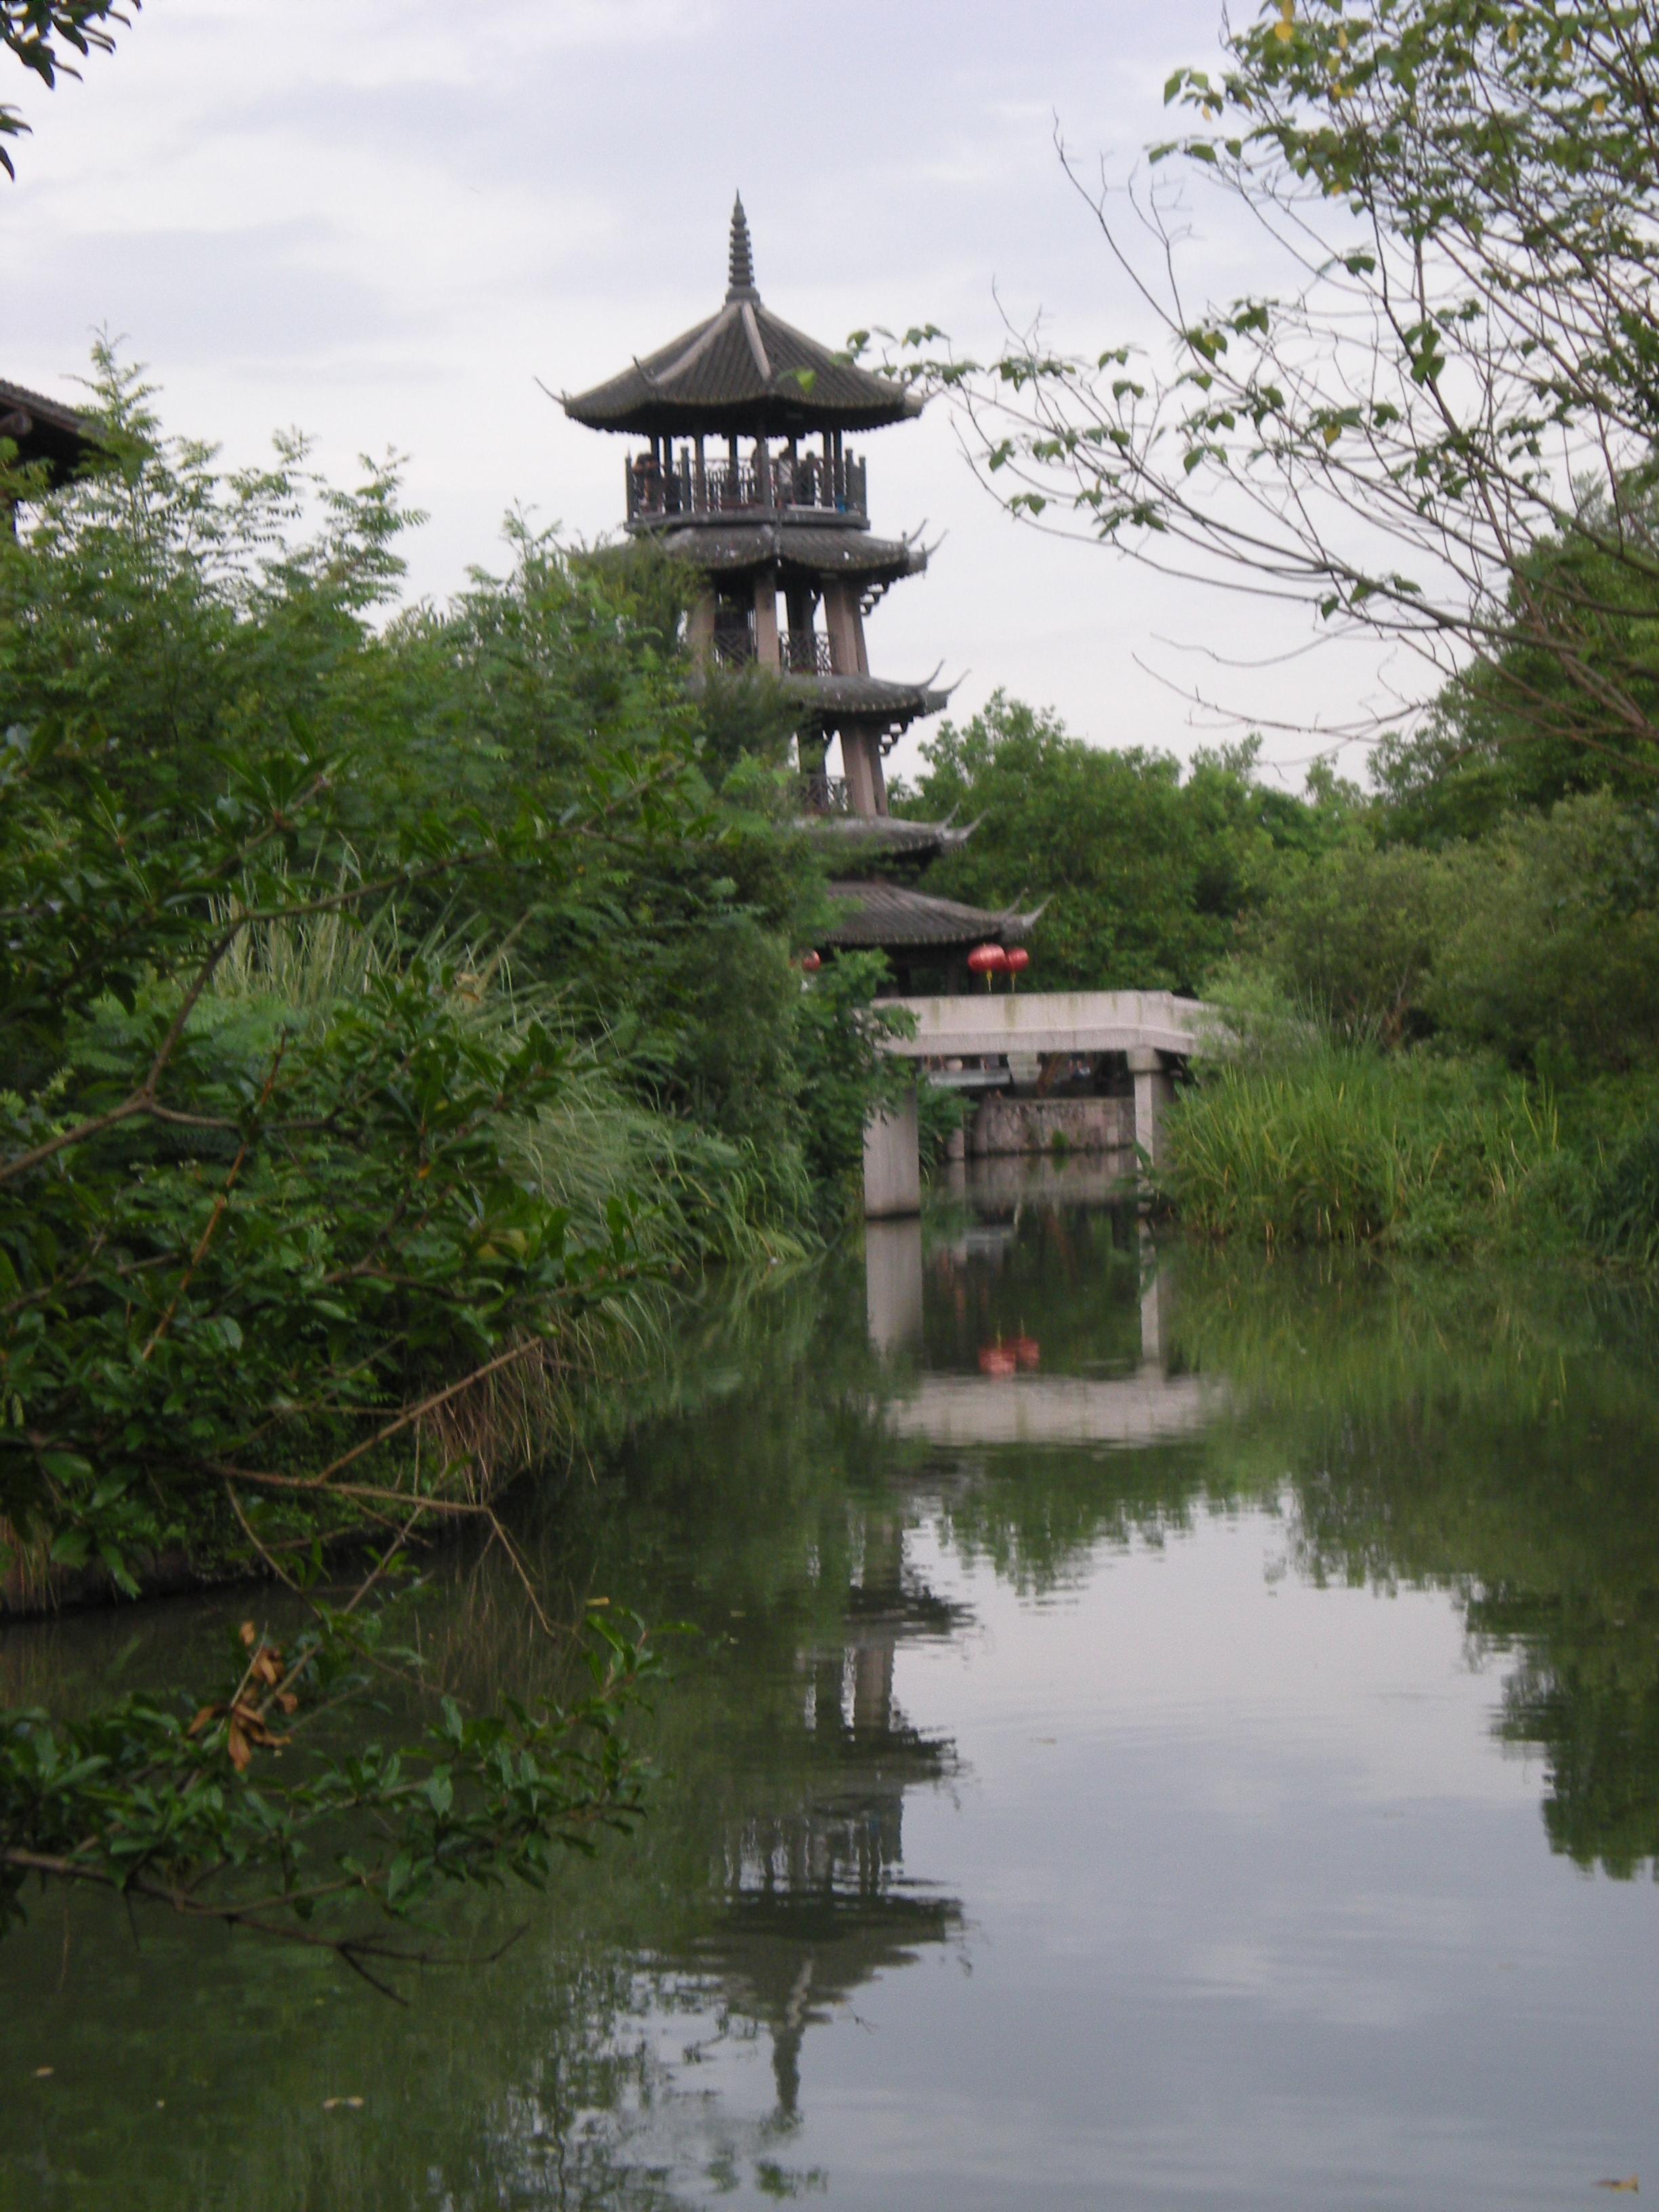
818,1901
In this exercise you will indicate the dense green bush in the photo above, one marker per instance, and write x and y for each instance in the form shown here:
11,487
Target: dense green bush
1351,936
392,1001
1539,941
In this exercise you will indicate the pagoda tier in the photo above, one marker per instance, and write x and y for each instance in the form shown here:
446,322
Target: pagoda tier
920,934
743,373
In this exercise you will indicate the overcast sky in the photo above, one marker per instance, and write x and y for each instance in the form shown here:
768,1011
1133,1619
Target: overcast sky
383,220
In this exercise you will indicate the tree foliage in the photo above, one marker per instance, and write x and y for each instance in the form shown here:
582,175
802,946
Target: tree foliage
36,32
1457,369
386,995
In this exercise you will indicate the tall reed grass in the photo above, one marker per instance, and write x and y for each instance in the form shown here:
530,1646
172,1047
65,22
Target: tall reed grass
1329,1143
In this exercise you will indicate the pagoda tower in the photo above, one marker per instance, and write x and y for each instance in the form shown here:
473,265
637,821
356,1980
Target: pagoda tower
741,468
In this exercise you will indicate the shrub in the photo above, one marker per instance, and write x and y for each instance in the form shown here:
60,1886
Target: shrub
1351,936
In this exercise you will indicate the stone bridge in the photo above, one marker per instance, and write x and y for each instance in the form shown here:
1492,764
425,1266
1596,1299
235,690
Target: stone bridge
1155,1030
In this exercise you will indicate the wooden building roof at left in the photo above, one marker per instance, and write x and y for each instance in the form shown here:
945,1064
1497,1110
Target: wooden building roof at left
44,429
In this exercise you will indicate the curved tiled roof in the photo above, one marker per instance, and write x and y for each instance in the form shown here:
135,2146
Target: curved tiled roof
868,833
834,699
743,370
883,913
815,548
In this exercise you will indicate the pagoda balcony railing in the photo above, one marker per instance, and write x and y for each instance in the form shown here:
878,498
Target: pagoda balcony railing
807,484
807,652
823,794
800,652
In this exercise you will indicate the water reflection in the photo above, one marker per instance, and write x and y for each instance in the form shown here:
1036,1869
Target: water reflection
817,1902
950,1704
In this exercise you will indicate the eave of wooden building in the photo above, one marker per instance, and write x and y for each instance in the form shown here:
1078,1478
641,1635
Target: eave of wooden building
42,430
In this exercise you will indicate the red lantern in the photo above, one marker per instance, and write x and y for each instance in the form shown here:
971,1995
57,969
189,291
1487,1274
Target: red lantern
811,963
987,959
1016,960
997,1359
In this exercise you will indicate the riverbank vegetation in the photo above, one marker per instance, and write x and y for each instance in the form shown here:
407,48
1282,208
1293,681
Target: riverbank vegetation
396,998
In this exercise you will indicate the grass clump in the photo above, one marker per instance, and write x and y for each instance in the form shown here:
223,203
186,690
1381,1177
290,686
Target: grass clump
1332,1143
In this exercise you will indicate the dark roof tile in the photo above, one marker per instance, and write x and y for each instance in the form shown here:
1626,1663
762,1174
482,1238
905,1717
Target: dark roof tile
881,914
744,370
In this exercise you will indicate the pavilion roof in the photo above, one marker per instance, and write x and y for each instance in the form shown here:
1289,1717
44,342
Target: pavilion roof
831,700
744,371
884,913
845,837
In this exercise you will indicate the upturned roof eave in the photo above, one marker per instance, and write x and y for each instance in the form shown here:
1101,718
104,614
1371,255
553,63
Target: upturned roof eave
813,545
768,378
888,915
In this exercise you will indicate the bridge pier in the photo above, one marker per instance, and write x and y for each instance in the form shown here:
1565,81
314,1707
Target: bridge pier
1154,1089
892,1163
892,1285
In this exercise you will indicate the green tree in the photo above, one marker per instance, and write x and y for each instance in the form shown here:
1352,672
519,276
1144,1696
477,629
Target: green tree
388,996
1142,875
1549,945
1351,936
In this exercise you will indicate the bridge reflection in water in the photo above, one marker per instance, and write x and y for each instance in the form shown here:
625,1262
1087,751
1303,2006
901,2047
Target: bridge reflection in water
1012,1404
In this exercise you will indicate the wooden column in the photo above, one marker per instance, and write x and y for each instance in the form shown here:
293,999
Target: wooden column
699,627
842,627
860,761
766,619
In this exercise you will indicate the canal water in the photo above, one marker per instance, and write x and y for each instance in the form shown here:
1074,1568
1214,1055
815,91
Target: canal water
1163,1729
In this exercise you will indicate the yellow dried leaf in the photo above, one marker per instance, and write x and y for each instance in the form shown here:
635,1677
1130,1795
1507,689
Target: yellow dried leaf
1629,2186
248,1633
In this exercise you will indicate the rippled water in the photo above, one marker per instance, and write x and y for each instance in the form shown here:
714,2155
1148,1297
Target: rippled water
1169,1730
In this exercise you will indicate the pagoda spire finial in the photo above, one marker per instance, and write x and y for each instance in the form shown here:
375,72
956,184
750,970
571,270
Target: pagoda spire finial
742,261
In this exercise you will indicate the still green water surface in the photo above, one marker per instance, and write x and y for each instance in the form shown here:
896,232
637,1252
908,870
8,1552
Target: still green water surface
1170,1732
